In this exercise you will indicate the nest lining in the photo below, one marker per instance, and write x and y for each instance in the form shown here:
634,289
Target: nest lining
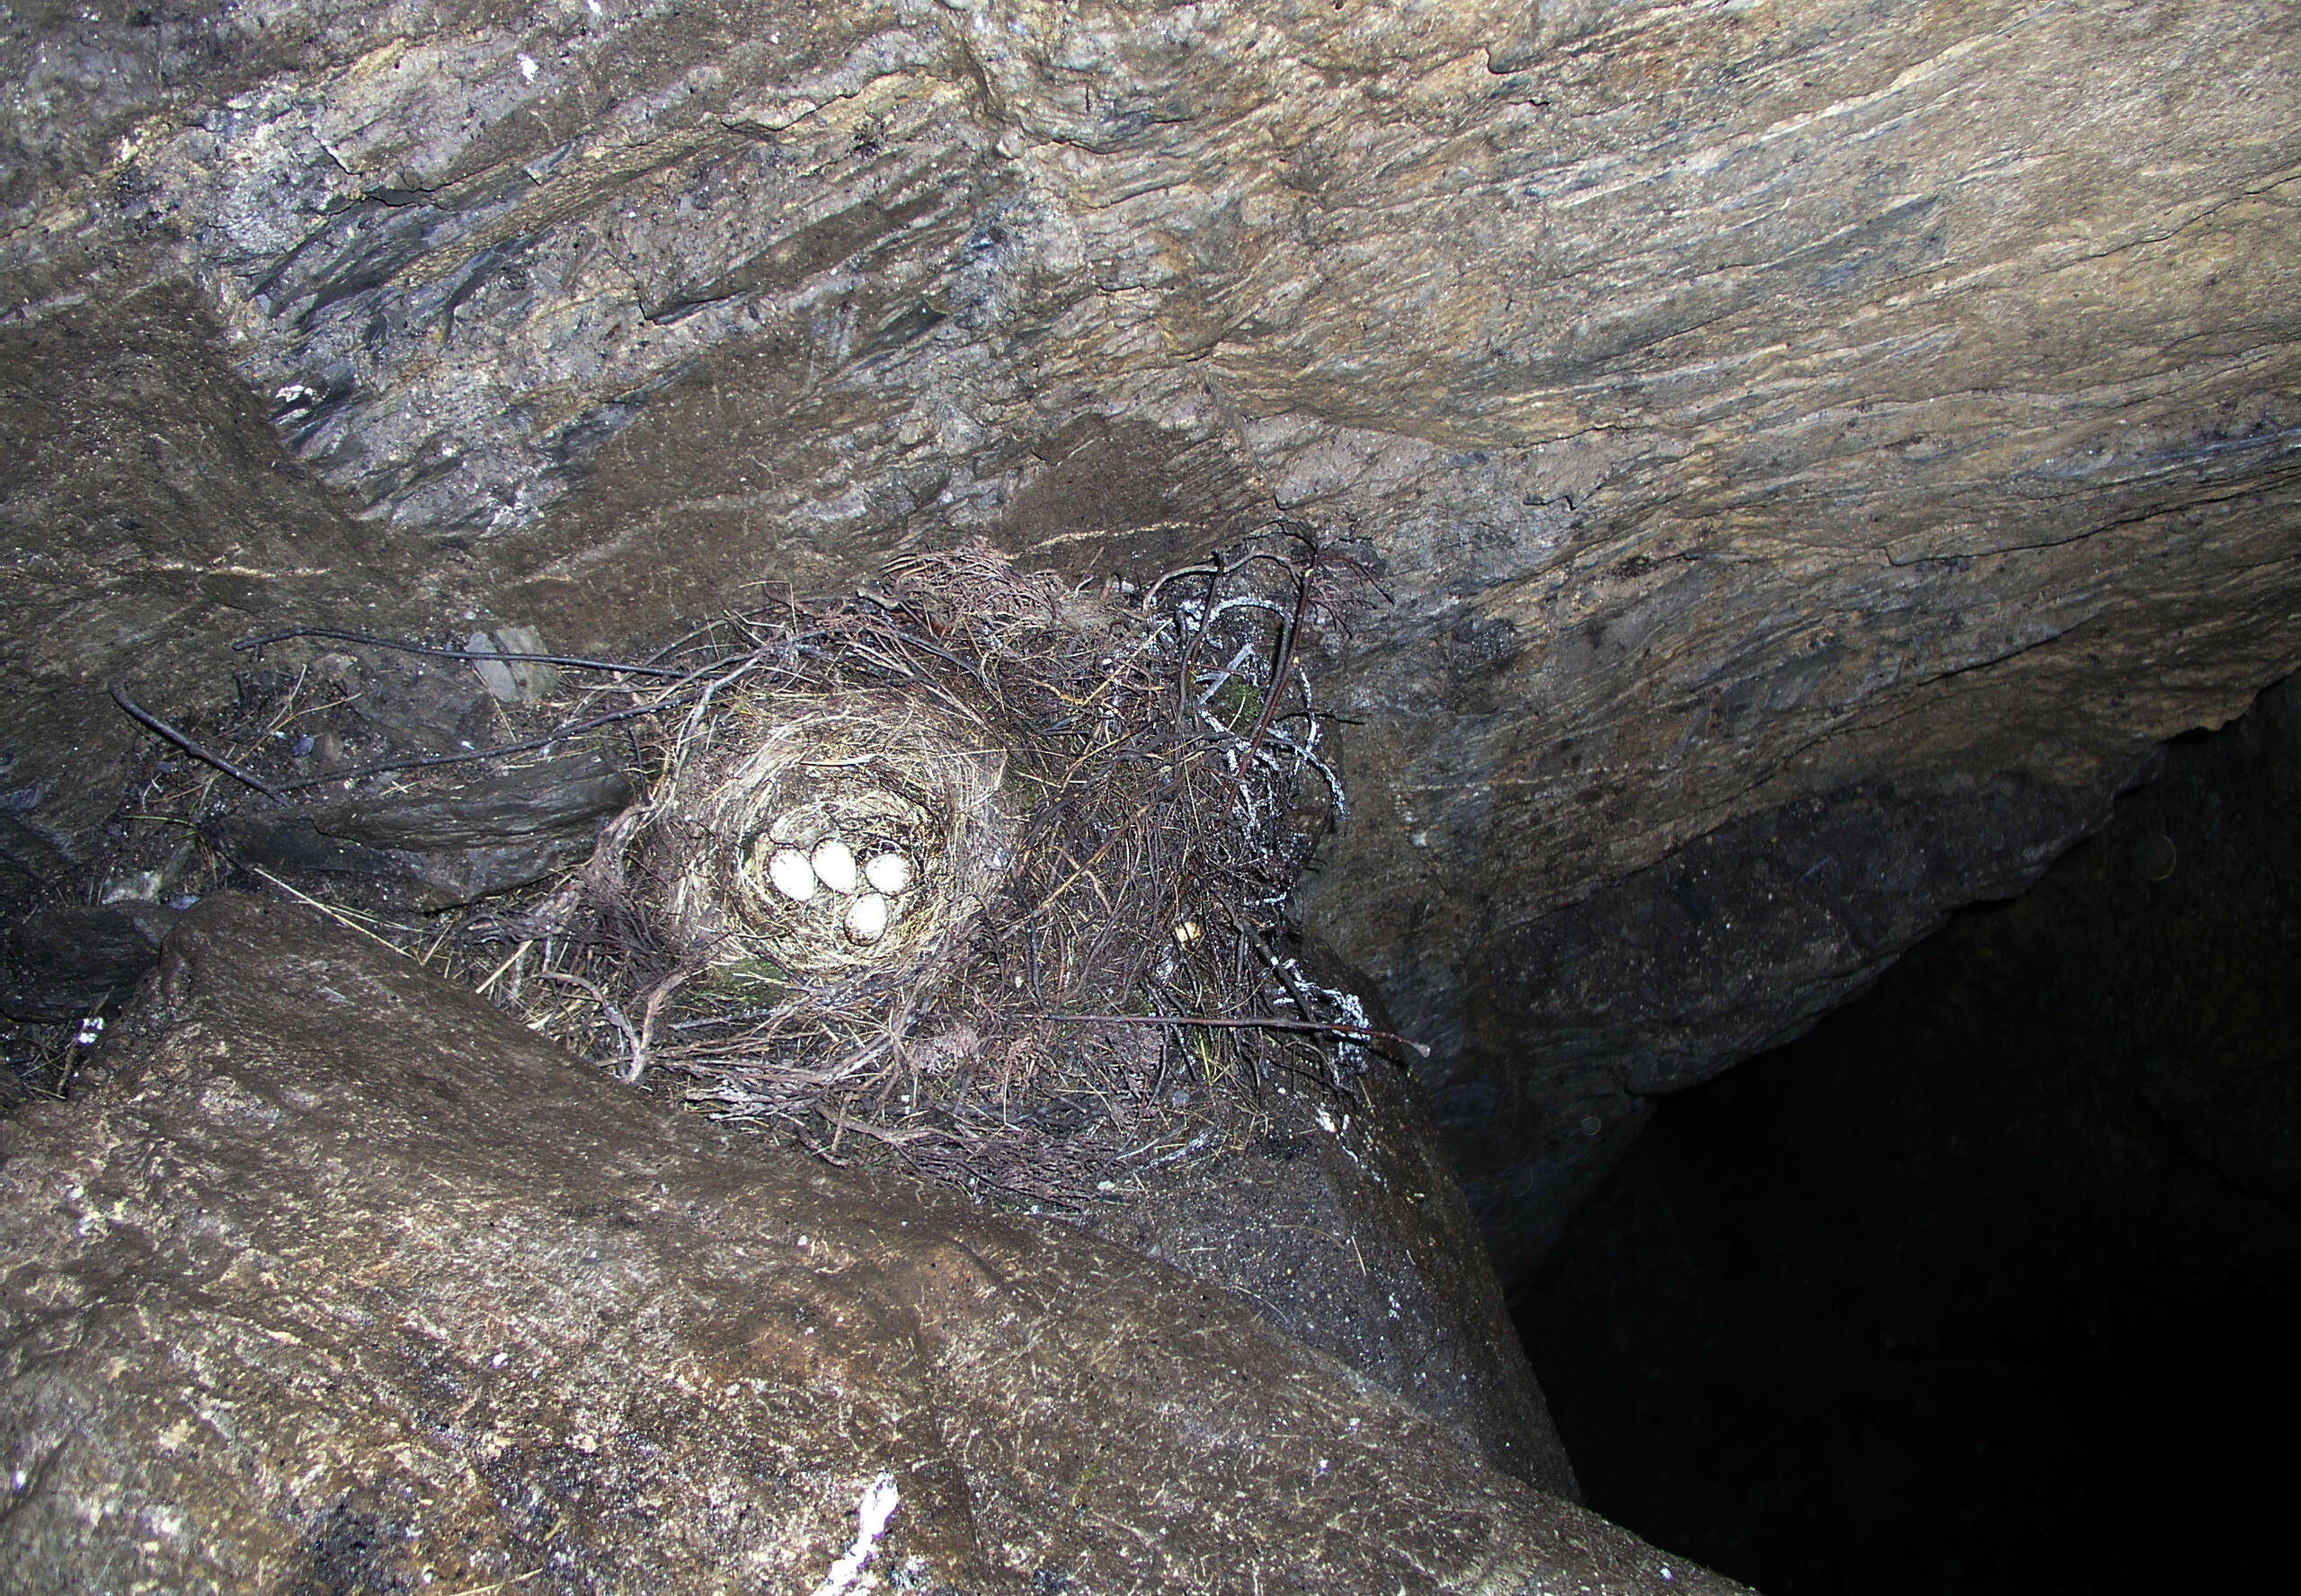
788,771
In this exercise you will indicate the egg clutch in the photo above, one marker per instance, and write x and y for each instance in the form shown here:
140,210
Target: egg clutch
828,837
831,867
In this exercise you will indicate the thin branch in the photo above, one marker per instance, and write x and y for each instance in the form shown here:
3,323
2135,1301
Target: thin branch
560,733
1293,628
591,989
1321,1027
496,974
155,723
501,1585
333,913
246,643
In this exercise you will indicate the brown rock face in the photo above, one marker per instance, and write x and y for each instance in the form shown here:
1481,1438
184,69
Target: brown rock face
340,1279
1756,411
1345,1227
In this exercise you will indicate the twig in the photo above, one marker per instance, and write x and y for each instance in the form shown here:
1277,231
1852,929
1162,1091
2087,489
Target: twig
501,1585
246,643
655,1001
496,974
1323,1027
560,733
606,1006
155,723
1285,660
333,913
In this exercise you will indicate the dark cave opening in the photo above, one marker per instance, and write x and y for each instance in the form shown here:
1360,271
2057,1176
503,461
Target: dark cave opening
1989,1283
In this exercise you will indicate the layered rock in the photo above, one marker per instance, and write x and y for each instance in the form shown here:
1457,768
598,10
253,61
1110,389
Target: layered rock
1752,410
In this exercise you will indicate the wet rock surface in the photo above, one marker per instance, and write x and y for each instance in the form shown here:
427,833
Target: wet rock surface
1345,1227
336,1277
152,519
1744,406
65,961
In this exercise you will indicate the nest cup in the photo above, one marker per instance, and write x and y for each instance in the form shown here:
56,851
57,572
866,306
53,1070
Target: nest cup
779,773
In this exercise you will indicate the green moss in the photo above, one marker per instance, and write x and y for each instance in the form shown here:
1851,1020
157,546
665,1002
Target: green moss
1023,790
1236,705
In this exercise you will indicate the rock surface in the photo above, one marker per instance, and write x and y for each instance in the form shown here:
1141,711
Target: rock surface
65,962
1345,1227
338,1278
152,519
1750,407
436,850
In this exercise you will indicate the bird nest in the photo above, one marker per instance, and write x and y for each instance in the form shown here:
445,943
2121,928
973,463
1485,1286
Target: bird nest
801,839
970,871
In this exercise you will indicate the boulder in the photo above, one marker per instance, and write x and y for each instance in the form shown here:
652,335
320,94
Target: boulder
337,1278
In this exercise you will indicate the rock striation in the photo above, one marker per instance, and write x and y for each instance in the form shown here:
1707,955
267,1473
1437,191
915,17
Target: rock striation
1753,410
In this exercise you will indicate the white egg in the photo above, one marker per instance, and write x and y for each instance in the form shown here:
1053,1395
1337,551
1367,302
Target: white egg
836,866
867,919
792,876
888,873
